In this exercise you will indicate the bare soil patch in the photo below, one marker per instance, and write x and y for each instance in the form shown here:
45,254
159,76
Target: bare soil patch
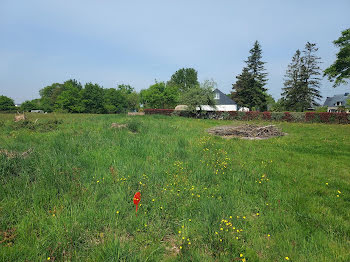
14,154
247,131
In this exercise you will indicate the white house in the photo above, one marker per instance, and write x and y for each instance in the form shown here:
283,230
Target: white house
333,103
223,103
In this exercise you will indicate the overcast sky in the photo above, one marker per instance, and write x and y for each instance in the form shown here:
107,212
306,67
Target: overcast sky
136,42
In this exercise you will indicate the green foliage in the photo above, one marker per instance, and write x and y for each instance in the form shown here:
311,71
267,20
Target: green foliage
340,69
134,125
160,95
184,79
43,125
6,104
302,82
71,97
249,89
197,96
28,105
322,109
120,100
92,98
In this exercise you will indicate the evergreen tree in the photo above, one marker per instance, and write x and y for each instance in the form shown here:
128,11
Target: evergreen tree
302,80
256,66
250,85
248,92
310,74
293,88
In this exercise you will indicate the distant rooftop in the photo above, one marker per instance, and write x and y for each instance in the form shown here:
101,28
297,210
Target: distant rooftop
337,100
222,99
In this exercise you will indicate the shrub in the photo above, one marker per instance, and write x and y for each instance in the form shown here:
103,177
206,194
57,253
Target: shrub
41,125
277,116
325,117
134,125
167,112
287,117
298,116
266,115
252,115
342,118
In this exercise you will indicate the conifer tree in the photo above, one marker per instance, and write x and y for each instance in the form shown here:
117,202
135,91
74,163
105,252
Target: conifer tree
302,80
292,83
250,88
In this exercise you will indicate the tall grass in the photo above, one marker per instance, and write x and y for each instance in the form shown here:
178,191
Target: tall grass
71,199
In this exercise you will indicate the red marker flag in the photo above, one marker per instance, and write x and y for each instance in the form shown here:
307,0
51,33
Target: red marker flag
137,198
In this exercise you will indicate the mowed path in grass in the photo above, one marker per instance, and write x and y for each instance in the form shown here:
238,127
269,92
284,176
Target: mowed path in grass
203,198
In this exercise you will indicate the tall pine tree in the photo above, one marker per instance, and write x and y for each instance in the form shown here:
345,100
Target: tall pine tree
250,88
302,81
293,85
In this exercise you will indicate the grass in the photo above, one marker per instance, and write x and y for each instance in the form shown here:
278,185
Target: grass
203,198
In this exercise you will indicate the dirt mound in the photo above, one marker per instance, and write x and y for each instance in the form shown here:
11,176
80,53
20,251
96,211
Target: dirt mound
246,131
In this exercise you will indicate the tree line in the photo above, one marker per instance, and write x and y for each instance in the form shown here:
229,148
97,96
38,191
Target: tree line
302,80
301,89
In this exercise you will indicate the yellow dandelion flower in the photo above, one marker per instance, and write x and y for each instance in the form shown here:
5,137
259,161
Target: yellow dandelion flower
180,247
179,231
190,220
117,211
287,258
244,217
240,255
220,240
49,258
221,229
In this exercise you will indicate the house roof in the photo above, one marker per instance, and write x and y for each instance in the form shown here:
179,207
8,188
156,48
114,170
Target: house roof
223,99
332,101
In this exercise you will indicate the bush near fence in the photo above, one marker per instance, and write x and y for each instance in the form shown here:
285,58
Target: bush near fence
309,117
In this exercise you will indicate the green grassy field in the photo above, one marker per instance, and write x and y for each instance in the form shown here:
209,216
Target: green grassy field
203,198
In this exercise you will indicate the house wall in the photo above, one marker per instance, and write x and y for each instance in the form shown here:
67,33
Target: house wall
219,108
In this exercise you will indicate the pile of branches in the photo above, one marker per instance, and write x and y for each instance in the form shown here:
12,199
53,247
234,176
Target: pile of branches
247,131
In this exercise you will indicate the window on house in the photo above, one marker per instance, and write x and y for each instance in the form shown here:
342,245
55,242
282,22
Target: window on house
217,96
339,103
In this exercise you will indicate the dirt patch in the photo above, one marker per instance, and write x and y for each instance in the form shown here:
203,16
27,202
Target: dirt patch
14,154
118,126
171,247
247,131
20,117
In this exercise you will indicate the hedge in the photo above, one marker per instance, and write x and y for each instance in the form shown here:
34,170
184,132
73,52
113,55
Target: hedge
308,117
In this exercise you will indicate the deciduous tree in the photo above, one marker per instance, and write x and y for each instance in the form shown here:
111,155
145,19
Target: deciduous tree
339,71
